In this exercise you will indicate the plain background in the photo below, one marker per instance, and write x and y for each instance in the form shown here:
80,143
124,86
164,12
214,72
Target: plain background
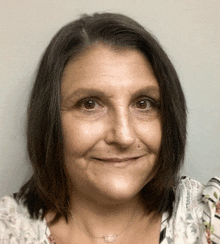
189,31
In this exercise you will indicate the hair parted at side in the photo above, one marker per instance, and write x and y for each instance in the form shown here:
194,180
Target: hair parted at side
48,189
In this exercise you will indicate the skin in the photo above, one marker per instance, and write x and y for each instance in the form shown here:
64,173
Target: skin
112,135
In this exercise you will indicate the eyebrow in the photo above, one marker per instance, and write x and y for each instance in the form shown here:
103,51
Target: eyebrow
85,92
150,90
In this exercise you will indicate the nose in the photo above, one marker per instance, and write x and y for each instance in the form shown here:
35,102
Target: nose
120,130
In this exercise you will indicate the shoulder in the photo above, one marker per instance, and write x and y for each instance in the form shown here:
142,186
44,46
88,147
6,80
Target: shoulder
189,192
16,226
211,211
196,212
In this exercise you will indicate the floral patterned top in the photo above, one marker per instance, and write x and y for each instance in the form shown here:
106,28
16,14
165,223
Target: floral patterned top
195,219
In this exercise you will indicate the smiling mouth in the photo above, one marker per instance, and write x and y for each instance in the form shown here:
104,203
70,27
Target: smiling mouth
117,160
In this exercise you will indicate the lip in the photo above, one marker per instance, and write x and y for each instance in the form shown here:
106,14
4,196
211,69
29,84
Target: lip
116,160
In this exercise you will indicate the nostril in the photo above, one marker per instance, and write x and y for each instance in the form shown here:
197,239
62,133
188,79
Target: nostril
120,130
121,136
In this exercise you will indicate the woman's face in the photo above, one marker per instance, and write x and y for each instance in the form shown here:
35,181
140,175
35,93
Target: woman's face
111,123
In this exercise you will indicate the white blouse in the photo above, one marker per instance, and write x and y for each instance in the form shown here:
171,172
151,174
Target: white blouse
195,219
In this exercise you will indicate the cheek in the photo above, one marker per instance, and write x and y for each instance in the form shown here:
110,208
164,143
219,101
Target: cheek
79,135
151,134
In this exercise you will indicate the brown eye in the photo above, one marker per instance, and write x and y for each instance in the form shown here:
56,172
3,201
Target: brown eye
89,104
144,104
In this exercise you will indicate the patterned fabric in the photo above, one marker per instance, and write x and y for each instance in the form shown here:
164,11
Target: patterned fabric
195,219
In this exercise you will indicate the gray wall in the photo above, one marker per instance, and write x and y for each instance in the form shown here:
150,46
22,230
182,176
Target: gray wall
189,30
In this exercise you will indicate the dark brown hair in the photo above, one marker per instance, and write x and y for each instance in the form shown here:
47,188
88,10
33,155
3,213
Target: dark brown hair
47,189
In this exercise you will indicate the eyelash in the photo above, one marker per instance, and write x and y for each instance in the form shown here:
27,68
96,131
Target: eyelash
153,104
88,99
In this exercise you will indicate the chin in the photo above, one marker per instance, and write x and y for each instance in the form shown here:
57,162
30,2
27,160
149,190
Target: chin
121,191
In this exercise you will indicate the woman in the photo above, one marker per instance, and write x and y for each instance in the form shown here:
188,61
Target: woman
106,138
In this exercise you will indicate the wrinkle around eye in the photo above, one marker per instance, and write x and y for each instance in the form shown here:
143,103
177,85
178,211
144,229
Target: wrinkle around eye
85,103
145,107
81,104
146,101
77,109
148,113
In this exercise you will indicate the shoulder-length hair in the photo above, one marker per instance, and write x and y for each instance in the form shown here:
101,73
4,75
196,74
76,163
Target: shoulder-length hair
48,189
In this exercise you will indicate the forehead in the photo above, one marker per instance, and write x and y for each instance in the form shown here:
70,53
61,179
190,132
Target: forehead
103,66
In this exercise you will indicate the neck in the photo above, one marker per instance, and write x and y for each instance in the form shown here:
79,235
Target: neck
91,220
97,219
